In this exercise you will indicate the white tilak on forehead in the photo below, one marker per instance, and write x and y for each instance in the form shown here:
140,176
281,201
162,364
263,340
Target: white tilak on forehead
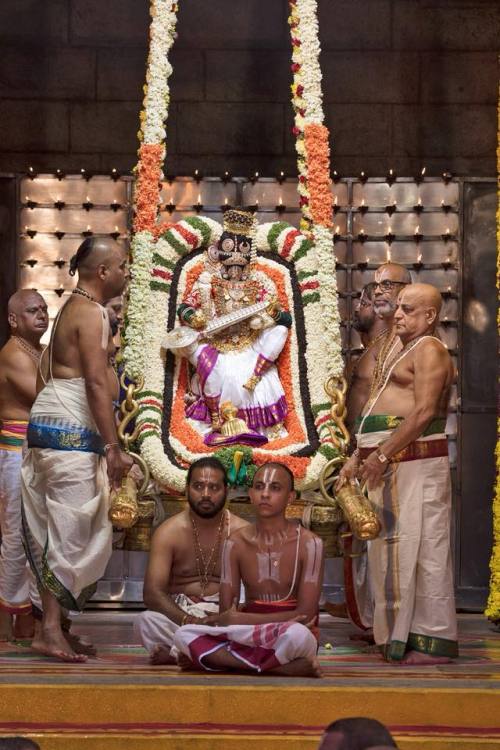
269,474
205,472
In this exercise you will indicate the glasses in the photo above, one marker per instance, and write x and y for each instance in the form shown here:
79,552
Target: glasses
387,286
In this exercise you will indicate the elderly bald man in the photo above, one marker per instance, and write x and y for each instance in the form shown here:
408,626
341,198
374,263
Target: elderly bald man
28,321
404,458
71,431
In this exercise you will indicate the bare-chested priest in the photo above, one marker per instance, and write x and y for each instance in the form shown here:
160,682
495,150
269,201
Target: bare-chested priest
73,452
183,574
281,567
28,321
403,455
372,328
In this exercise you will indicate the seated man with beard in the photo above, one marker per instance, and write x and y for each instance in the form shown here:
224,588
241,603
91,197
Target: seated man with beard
182,579
281,567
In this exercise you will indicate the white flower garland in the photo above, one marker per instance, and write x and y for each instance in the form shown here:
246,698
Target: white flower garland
157,96
154,261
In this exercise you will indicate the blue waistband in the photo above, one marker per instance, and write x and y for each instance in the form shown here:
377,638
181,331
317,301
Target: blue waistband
59,435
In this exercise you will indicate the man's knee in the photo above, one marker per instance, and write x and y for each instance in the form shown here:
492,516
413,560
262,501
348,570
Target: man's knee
303,642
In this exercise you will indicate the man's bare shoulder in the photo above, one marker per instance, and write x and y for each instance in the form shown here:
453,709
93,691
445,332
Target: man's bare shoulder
79,312
307,534
431,349
169,531
237,523
243,534
14,359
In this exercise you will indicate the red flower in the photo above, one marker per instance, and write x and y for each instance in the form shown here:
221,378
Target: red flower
300,90
296,131
295,67
303,201
296,42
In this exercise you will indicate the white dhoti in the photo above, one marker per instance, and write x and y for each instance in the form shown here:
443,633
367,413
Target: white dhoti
154,629
65,495
258,647
410,562
14,570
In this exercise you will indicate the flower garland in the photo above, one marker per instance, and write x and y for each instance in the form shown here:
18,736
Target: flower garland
154,113
313,161
158,248
493,607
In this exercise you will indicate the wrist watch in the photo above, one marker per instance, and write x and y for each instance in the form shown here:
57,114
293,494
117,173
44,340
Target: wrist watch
381,456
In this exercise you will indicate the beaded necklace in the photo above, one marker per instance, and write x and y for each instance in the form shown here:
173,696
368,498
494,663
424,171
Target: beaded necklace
206,565
83,293
34,353
365,351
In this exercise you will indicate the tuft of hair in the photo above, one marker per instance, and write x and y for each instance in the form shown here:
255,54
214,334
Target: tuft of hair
368,290
359,733
282,466
209,462
82,253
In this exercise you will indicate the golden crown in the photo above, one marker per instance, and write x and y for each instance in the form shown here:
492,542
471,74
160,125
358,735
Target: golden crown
239,222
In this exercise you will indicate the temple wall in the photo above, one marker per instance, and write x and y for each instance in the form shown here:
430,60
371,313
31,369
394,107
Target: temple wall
406,83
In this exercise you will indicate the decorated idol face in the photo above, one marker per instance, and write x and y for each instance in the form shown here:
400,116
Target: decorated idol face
234,254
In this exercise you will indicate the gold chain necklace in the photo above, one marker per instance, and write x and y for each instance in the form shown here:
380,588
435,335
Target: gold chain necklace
34,353
385,349
206,566
83,293
365,352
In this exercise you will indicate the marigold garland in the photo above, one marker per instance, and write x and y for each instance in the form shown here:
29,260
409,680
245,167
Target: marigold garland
156,250
317,156
147,191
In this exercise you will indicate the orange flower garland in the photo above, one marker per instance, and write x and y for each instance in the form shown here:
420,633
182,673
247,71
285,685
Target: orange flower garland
147,192
318,158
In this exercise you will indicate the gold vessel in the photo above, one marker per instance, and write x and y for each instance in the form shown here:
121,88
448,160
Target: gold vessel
358,511
124,511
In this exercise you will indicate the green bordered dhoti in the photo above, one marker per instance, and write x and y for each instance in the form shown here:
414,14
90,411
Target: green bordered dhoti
410,562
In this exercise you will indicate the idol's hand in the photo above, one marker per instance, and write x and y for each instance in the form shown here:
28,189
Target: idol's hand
274,308
372,471
197,320
349,471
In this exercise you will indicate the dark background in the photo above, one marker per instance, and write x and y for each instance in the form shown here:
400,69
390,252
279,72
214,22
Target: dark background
406,83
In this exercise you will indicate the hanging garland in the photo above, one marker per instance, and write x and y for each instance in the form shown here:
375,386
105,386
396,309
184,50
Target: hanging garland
493,608
157,249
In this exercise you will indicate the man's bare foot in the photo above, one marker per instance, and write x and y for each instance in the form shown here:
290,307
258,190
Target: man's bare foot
79,644
419,659
299,668
336,610
365,637
54,644
24,627
5,626
161,655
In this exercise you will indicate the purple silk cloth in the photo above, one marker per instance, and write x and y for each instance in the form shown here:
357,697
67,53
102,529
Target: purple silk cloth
215,439
254,416
206,363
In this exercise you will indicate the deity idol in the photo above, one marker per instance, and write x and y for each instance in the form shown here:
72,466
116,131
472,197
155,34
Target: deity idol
236,395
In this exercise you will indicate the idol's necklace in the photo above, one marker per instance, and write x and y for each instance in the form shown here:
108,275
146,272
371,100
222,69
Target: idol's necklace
34,353
206,565
83,293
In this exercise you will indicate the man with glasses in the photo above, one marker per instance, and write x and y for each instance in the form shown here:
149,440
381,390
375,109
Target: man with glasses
380,342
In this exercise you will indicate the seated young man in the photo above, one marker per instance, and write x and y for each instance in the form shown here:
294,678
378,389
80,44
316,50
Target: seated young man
182,578
281,567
